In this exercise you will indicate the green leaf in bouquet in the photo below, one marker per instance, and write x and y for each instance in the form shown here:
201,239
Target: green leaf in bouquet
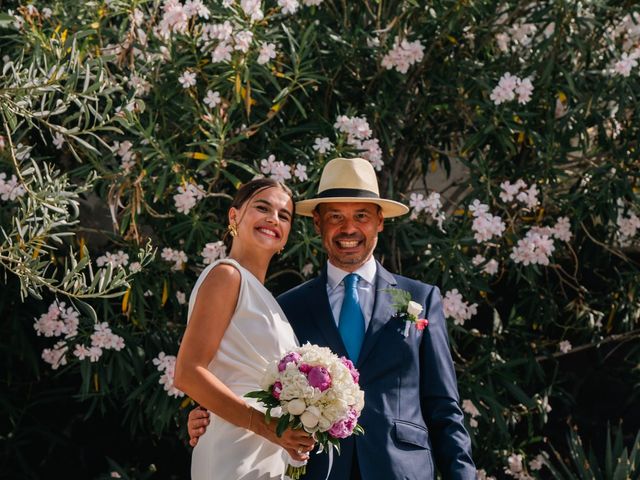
335,443
267,416
255,394
358,430
283,423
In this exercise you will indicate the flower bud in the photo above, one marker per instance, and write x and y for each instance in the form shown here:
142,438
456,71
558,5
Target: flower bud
296,406
308,419
323,423
414,308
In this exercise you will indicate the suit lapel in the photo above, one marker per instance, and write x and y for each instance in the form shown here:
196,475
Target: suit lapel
320,311
382,311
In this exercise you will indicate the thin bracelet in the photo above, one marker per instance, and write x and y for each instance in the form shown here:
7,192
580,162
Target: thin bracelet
250,417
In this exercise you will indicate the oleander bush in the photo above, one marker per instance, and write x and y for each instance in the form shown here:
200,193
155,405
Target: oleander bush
510,128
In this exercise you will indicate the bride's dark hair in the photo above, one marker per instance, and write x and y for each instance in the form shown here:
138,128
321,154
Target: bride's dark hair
247,191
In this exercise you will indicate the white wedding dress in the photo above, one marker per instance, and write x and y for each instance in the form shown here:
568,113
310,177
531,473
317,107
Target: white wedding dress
258,334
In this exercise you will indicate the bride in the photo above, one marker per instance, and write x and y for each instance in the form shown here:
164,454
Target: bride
235,328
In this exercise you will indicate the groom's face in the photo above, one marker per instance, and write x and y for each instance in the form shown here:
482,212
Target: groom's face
349,232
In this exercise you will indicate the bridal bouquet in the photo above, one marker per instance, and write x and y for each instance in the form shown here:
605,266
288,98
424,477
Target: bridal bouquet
316,391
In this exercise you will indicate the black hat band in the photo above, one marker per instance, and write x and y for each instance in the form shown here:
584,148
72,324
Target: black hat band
347,192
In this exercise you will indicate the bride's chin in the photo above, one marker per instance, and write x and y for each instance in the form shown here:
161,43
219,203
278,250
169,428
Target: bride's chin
268,249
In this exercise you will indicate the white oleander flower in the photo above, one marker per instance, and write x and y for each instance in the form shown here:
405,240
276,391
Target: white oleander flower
266,53
455,307
187,79
212,99
322,145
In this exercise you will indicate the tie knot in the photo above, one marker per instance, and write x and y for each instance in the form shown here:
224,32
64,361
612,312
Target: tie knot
351,280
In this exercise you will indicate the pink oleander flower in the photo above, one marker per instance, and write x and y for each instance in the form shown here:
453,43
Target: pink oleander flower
534,248
625,64
10,189
403,54
288,6
213,251
242,40
187,79
455,307
562,229
178,257
56,356
212,99
222,53
509,86
114,259
252,8
322,145
300,172
167,365
267,52
188,196
485,225
565,346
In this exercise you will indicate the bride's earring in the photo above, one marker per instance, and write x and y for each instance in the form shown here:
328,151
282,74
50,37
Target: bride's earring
233,228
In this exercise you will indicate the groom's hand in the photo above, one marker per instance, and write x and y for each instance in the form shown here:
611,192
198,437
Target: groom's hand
197,424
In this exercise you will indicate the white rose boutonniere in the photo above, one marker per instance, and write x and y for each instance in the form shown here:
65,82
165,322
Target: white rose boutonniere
407,309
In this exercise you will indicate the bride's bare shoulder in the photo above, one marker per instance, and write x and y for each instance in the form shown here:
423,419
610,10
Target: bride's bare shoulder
222,277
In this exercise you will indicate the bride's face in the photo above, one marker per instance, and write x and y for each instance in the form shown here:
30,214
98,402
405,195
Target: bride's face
264,221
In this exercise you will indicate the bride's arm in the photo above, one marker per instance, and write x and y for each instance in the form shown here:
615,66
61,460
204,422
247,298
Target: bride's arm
215,303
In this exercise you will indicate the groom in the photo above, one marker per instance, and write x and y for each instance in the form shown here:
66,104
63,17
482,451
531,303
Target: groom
412,419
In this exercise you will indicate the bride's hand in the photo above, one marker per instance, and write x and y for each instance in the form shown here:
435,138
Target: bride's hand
297,443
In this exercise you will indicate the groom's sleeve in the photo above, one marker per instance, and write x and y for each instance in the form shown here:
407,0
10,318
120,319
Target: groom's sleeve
439,397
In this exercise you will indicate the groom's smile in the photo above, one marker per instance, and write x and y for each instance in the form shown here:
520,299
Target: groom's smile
349,232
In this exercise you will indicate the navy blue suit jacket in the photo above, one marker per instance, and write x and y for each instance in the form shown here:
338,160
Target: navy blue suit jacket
412,418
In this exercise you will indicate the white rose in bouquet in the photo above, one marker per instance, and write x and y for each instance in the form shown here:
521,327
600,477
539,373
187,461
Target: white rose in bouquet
310,417
296,406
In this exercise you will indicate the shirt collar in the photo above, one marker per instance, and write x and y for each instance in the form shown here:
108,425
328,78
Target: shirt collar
367,271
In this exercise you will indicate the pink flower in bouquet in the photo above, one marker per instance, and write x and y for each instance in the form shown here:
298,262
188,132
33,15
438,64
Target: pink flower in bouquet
305,368
343,428
276,390
288,358
352,370
319,378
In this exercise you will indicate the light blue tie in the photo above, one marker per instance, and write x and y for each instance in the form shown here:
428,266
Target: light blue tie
351,322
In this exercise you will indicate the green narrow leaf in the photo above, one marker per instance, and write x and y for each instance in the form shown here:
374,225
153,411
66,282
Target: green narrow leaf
283,423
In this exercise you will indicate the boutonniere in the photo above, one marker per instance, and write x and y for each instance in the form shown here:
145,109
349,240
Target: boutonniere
407,309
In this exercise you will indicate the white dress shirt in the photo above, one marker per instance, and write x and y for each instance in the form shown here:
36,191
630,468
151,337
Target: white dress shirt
366,289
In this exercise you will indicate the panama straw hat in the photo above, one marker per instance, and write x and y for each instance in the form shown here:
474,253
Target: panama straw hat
350,180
